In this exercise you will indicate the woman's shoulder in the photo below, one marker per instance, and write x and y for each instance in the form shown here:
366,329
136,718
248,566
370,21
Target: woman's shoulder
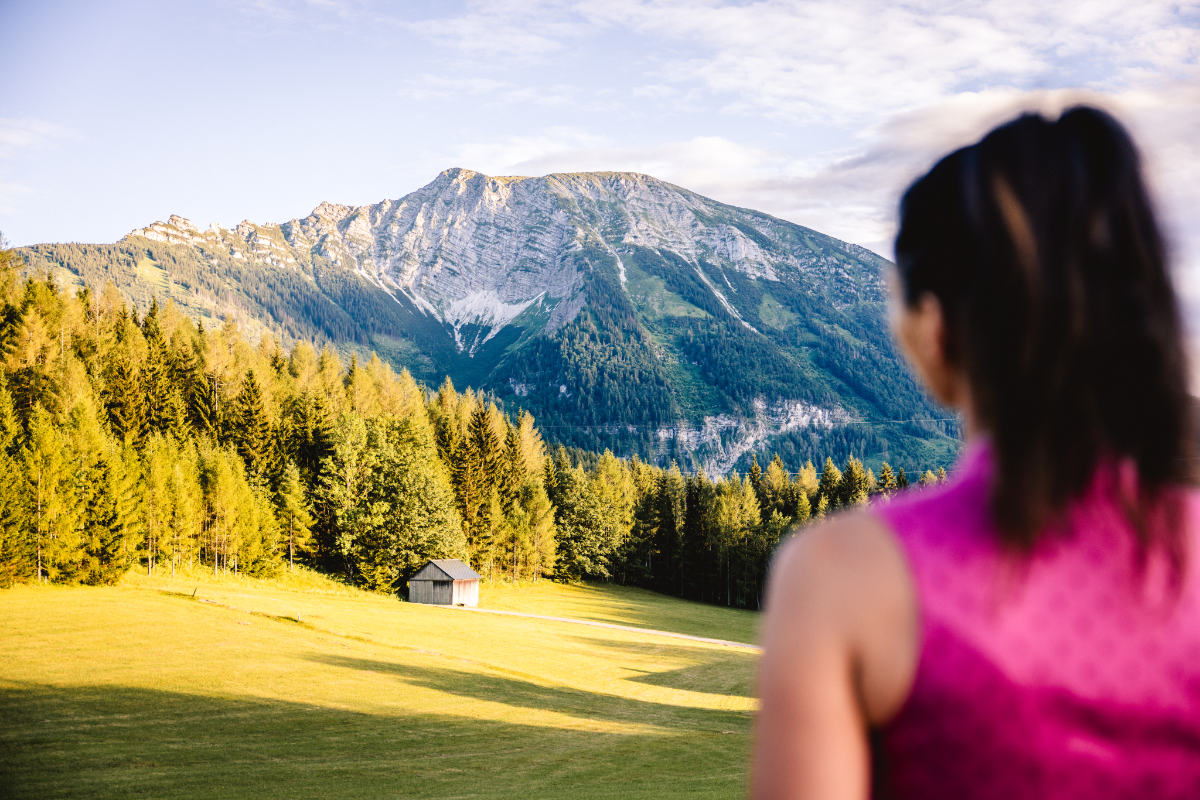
848,576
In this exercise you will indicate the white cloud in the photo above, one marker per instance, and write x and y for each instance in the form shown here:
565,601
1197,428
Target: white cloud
515,29
520,154
17,135
854,61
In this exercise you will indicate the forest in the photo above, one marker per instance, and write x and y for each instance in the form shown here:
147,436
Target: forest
148,441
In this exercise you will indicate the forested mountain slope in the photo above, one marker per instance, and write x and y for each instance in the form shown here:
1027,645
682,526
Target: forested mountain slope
622,311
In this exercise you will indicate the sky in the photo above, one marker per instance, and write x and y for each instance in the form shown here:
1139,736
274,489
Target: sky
116,114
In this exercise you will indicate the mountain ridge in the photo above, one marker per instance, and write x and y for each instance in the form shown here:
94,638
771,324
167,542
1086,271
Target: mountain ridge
676,325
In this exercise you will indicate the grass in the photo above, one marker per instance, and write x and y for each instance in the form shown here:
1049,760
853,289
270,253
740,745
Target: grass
775,314
654,299
195,686
623,605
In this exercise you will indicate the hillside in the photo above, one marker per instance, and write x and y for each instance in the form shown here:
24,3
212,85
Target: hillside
304,688
622,311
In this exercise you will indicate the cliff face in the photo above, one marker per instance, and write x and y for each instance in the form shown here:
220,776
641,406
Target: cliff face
622,310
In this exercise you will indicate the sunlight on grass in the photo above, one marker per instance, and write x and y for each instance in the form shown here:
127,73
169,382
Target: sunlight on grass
623,605
194,686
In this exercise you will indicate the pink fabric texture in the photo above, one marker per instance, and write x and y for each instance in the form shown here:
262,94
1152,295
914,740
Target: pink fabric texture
1067,673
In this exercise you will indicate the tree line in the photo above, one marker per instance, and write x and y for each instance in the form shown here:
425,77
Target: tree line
149,441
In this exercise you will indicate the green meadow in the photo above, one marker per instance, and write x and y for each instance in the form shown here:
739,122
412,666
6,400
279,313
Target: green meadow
300,687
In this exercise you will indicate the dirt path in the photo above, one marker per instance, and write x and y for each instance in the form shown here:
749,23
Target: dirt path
613,625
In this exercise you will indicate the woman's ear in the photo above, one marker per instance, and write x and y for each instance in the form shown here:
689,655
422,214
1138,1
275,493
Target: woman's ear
921,331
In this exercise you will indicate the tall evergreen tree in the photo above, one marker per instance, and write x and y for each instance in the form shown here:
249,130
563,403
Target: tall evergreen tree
854,485
830,485
294,518
50,509
887,478
249,429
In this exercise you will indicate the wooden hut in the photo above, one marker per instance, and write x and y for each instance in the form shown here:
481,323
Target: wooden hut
445,582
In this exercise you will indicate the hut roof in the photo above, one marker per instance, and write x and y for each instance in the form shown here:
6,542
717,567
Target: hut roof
451,567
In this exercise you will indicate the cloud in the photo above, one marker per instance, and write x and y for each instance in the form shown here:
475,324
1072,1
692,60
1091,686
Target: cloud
852,193
859,60
17,135
515,29
530,153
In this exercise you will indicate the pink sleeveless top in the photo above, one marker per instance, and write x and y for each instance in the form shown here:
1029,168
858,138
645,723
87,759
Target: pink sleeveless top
1055,676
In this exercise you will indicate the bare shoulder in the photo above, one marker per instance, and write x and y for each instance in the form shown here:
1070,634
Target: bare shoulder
838,553
845,582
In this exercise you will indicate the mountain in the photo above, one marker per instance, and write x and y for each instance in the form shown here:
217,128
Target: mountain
621,310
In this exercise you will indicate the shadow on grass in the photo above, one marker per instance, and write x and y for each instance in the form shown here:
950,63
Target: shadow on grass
115,741
525,694
646,608
725,671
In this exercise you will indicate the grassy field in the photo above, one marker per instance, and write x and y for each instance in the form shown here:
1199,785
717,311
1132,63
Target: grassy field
301,687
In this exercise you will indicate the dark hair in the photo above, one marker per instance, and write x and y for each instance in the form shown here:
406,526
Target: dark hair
1040,243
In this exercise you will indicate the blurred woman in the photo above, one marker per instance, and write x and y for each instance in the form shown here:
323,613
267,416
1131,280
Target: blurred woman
1031,626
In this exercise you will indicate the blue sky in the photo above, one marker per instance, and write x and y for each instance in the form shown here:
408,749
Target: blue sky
114,114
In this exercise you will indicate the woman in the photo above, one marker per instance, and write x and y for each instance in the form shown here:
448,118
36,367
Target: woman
1030,627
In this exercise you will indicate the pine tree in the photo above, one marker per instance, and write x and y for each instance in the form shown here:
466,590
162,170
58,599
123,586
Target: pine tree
477,476
295,520
50,510
160,402
830,485
853,487
17,546
514,471
808,479
756,480
803,508
31,379
123,397
199,392
249,430
887,479
113,521
822,506
901,479
184,537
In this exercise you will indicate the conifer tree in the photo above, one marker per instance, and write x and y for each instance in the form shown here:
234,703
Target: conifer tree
161,404
808,479
853,487
200,392
477,478
671,507
901,479
113,522
513,471
123,397
249,430
294,518
756,480
16,543
307,433
822,506
185,530
31,379
887,478
50,509
830,485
